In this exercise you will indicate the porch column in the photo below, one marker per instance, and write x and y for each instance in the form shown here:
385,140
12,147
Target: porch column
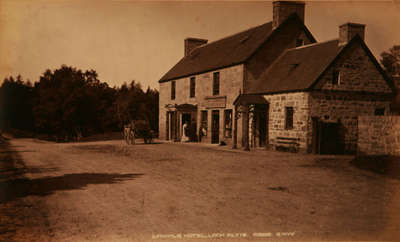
246,128
235,118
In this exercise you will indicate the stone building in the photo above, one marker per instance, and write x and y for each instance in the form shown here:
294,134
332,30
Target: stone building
274,86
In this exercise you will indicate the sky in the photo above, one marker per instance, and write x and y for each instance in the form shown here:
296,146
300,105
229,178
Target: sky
126,40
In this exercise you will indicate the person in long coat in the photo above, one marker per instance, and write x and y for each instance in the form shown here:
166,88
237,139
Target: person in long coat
185,133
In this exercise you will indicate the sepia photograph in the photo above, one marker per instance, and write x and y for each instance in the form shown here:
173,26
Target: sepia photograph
129,120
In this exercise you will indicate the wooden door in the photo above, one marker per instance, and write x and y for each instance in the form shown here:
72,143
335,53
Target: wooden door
215,127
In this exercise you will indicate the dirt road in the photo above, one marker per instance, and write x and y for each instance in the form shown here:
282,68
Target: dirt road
108,191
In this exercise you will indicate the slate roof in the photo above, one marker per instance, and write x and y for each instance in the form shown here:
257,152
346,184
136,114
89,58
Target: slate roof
221,53
297,69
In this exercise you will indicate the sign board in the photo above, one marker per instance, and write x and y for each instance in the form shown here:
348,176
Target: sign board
215,102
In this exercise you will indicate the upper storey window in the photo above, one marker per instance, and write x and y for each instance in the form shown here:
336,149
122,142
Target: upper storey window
173,84
216,83
192,87
336,78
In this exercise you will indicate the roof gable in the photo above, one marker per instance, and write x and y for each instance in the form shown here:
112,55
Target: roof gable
231,50
301,68
357,40
297,68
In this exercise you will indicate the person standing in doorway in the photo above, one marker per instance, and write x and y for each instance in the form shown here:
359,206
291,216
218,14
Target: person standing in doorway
185,132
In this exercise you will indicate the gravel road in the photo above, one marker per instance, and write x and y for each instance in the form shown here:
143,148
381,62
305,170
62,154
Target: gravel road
109,191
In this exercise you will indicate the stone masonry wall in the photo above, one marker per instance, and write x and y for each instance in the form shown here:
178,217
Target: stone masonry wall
360,91
300,103
344,107
379,135
357,73
231,83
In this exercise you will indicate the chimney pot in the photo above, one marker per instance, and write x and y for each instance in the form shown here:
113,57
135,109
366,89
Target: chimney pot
192,43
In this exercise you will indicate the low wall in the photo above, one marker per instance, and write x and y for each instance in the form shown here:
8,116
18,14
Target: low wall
378,135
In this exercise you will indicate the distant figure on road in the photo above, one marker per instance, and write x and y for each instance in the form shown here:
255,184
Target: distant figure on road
132,133
129,133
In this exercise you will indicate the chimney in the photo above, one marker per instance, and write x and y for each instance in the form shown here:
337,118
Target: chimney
348,31
191,43
283,9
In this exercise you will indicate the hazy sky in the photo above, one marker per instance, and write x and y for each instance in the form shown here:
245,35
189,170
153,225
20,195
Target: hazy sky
127,40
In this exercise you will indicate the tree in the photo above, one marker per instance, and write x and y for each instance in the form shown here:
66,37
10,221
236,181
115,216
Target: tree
391,63
391,60
16,101
68,101
71,101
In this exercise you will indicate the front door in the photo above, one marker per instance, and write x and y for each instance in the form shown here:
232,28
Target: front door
262,128
262,124
215,127
172,126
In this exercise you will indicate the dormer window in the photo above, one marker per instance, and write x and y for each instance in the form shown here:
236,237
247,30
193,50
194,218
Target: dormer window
336,78
299,42
379,111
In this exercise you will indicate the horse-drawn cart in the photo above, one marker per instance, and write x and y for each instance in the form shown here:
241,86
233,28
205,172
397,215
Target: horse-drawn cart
138,129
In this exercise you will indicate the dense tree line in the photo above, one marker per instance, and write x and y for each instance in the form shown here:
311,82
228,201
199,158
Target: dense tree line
67,101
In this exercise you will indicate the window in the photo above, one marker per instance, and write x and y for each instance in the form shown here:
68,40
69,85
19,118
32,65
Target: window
336,78
289,118
192,87
299,42
228,123
216,83
379,111
173,90
204,122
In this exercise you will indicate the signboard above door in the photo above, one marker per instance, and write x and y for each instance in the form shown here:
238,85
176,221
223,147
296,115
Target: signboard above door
215,102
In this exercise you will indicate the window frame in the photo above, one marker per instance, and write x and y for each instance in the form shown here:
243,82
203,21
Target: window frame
336,78
173,90
289,118
226,111
379,111
192,87
216,83
299,42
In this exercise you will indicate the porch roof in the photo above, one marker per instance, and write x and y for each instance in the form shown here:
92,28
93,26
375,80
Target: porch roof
186,107
246,99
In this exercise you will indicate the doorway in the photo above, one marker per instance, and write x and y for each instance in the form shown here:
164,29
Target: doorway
215,127
186,118
327,137
172,131
262,124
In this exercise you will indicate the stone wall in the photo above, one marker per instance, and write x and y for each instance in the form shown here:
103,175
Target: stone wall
379,135
300,103
360,91
357,73
345,108
231,84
